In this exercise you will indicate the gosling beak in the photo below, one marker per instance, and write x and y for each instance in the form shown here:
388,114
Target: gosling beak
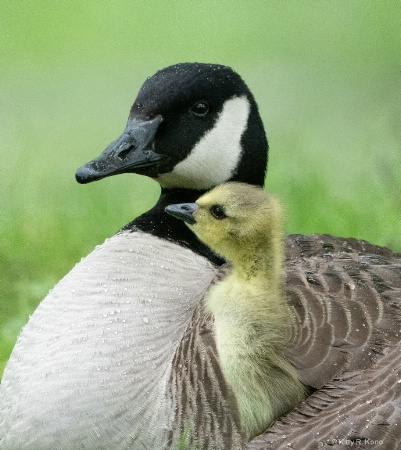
131,152
183,211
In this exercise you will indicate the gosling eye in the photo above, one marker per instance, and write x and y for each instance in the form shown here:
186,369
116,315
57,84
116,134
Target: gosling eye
200,109
217,212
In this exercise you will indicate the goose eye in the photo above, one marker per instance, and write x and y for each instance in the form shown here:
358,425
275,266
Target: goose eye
217,212
200,109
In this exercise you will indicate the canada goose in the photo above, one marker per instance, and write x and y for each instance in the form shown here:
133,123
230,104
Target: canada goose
118,355
251,317
93,366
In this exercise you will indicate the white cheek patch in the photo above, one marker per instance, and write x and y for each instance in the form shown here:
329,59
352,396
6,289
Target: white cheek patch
215,157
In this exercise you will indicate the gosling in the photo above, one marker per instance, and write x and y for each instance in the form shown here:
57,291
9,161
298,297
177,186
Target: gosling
252,319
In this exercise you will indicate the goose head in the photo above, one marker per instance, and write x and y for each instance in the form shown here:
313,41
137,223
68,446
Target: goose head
238,221
192,126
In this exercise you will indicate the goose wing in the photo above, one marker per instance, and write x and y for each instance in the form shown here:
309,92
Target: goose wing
346,295
359,409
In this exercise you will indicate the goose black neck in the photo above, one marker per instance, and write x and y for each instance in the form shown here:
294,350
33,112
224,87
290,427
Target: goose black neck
158,223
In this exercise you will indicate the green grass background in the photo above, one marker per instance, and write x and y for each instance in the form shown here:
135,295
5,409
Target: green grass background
326,75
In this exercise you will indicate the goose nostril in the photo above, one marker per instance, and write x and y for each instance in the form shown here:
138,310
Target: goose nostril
186,208
124,153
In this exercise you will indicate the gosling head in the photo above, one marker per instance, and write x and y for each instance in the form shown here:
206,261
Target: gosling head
234,219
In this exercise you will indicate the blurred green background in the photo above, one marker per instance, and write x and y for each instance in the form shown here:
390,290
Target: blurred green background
325,74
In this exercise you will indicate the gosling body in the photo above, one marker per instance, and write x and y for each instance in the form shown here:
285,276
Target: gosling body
251,317
252,345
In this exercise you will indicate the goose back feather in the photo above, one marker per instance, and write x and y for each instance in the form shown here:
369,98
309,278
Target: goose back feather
346,297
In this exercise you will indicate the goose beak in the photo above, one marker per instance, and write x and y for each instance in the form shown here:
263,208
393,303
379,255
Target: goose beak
131,152
183,211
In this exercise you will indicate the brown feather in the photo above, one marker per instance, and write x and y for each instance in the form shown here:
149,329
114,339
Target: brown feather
345,295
